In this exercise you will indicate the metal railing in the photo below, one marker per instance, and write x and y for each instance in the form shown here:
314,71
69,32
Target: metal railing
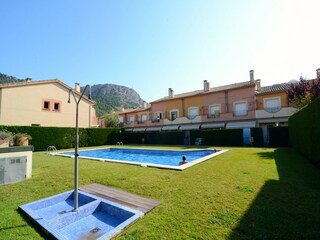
272,109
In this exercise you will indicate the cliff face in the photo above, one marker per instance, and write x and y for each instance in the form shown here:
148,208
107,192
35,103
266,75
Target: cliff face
111,97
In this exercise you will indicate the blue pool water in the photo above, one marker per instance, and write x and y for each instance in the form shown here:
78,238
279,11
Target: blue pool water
143,156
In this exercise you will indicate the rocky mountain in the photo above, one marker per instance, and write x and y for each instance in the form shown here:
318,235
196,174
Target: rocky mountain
111,97
108,97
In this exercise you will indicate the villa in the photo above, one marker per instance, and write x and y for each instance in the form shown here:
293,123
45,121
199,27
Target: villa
43,103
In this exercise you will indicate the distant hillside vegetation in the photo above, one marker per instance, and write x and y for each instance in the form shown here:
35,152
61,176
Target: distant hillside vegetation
111,97
4,78
108,97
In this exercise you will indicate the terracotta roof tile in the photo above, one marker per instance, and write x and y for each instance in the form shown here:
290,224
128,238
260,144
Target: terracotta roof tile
214,89
135,110
32,83
282,87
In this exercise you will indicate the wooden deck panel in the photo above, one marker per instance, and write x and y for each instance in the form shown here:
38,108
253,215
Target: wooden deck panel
121,197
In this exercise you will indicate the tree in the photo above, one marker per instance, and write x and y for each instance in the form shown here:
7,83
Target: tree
304,92
111,120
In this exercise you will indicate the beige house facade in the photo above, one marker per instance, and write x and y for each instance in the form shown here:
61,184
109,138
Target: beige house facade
44,103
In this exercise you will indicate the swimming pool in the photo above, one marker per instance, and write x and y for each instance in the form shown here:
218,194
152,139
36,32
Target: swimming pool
146,157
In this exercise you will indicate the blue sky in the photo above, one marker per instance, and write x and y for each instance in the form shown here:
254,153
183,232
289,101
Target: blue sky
153,45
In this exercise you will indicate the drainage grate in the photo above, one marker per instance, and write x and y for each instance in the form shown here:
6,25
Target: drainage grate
96,229
62,212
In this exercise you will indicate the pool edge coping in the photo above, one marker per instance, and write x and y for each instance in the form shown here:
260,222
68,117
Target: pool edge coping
179,168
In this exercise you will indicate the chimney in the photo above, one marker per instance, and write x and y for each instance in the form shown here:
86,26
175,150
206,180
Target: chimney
251,76
145,104
77,87
258,84
318,73
28,79
170,92
206,86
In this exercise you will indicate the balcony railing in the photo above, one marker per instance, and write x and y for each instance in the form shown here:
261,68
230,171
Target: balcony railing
273,109
214,115
240,113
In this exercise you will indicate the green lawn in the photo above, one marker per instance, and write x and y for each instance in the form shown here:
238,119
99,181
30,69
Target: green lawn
246,193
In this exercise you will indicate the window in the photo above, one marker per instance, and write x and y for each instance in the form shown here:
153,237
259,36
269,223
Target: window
272,105
240,109
143,117
131,118
46,105
56,106
174,114
214,111
158,115
193,112
120,119
51,105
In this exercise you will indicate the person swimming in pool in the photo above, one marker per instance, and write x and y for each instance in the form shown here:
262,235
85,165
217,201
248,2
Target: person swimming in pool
184,160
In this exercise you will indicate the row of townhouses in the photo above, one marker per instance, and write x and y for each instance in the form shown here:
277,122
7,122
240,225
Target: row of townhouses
44,103
239,105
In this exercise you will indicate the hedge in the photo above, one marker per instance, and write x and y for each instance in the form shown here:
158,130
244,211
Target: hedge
304,130
279,137
257,135
229,137
62,137
169,138
225,137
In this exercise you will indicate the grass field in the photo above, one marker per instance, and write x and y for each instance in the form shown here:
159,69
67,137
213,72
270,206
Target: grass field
246,193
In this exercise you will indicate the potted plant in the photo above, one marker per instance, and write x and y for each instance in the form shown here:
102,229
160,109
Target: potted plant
22,139
5,138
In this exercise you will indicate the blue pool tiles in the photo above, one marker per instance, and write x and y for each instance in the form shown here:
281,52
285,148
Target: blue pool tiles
96,218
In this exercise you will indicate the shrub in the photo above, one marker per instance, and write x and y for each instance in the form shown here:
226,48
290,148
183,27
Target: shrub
5,136
304,130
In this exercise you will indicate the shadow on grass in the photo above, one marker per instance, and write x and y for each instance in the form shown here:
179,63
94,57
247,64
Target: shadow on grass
288,208
31,223
13,227
266,155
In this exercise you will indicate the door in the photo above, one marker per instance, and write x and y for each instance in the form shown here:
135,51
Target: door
246,136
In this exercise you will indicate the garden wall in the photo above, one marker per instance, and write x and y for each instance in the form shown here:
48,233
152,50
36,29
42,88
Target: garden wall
304,130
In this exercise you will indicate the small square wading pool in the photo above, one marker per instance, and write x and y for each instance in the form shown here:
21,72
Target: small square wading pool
169,159
96,218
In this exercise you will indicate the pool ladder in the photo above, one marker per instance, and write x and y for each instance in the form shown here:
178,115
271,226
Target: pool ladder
51,150
119,144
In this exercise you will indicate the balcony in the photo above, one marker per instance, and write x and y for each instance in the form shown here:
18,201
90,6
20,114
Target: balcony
128,124
214,115
182,120
272,109
282,112
240,113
